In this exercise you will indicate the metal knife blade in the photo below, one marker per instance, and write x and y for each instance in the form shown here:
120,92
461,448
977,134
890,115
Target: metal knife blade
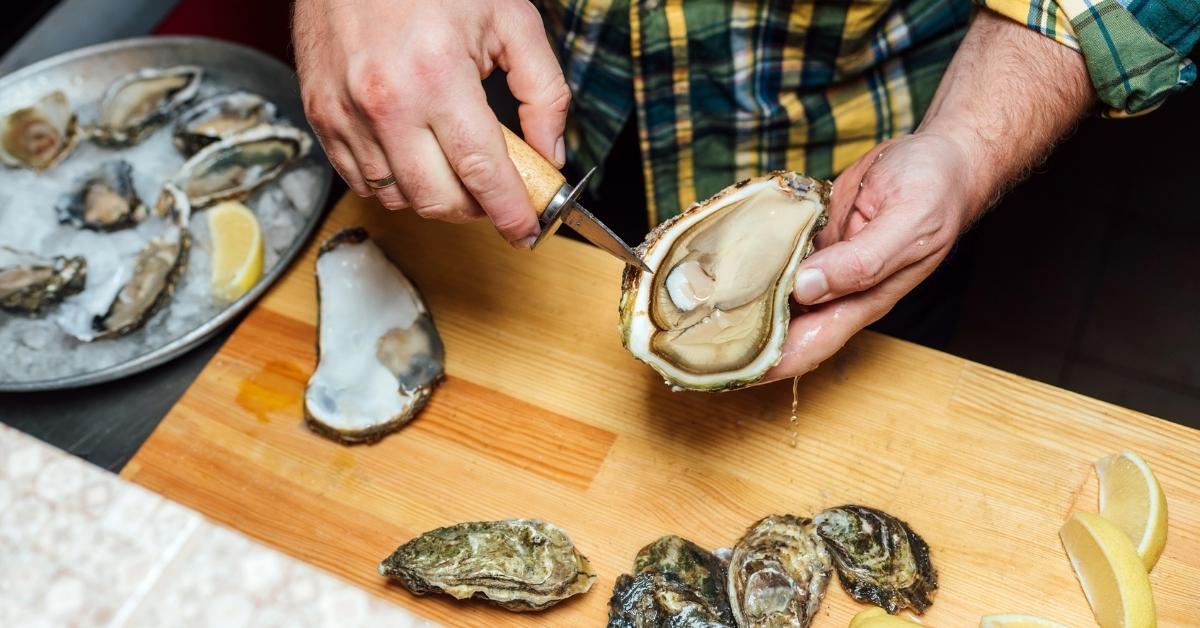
565,207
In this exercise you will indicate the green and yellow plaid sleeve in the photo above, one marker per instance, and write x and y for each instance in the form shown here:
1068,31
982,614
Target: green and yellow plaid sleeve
1136,50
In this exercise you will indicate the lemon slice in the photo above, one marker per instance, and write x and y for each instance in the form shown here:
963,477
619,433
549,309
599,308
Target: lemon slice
1131,497
237,243
1012,620
1110,570
878,618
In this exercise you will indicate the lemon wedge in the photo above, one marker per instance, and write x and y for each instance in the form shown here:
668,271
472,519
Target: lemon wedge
237,250
878,618
1131,497
1112,574
1012,620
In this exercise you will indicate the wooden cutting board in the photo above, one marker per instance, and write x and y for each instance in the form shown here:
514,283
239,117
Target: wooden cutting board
543,414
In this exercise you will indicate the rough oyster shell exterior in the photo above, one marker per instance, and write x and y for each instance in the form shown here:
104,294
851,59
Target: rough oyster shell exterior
778,573
31,284
675,583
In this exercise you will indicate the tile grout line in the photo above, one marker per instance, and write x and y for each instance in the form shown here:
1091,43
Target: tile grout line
138,597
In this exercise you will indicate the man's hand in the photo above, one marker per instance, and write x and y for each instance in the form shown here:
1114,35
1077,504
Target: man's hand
1007,96
392,87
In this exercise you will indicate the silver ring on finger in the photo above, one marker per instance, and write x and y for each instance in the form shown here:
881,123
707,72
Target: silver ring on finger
379,184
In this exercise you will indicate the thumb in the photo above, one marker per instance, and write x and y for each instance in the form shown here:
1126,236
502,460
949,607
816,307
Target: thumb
883,247
536,80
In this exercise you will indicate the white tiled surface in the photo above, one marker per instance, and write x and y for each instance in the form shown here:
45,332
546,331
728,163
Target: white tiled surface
81,547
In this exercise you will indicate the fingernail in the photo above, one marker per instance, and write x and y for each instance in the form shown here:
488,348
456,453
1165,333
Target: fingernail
560,152
524,243
810,285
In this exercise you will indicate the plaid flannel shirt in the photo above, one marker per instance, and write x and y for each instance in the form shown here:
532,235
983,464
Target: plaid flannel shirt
728,89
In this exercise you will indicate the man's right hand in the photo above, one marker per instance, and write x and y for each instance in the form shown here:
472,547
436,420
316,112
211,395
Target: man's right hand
392,87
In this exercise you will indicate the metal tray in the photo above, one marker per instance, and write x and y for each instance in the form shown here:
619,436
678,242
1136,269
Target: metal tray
84,74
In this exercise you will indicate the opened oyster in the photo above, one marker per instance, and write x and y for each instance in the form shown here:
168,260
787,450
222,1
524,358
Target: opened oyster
714,315
30,284
234,166
104,201
879,559
125,300
138,103
778,573
675,583
216,118
39,136
519,564
380,355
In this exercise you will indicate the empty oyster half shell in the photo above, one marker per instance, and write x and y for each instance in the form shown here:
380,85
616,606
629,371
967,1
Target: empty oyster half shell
879,558
30,284
40,135
214,119
519,564
778,573
675,583
714,315
380,354
104,200
139,102
234,166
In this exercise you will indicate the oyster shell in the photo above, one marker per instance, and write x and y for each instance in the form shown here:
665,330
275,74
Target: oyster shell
380,354
139,102
676,583
714,315
778,573
519,564
879,558
29,284
40,135
216,118
234,166
104,200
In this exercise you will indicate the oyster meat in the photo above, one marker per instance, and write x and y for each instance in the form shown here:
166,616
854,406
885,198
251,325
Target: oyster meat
139,102
39,136
216,118
519,564
676,583
778,573
879,558
104,201
234,166
380,354
30,284
714,315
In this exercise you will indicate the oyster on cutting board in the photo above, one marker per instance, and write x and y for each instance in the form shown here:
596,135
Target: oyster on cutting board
675,583
519,564
714,315
879,558
778,573
139,102
29,283
236,165
214,119
40,135
380,355
104,200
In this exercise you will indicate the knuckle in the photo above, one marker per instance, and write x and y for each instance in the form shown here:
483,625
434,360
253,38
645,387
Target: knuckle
433,210
527,16
374,92
478,172
866,268
510,222
559,96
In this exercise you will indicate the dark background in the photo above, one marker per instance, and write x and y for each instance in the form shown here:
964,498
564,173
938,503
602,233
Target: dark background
1086,276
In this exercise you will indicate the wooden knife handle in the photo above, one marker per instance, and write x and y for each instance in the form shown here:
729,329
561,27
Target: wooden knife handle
542,179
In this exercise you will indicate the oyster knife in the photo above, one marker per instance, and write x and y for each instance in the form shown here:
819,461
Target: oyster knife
557,201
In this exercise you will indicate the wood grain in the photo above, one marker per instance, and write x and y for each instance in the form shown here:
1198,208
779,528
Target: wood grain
543,414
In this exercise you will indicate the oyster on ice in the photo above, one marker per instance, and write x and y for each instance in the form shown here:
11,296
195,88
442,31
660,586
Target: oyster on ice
29,284
714,315
39,136
879,558
216,118
778,573
104,201
519,564
675,583
234,166
139,102
380,355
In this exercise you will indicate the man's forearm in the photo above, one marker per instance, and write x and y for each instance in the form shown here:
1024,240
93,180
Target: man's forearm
1008,95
